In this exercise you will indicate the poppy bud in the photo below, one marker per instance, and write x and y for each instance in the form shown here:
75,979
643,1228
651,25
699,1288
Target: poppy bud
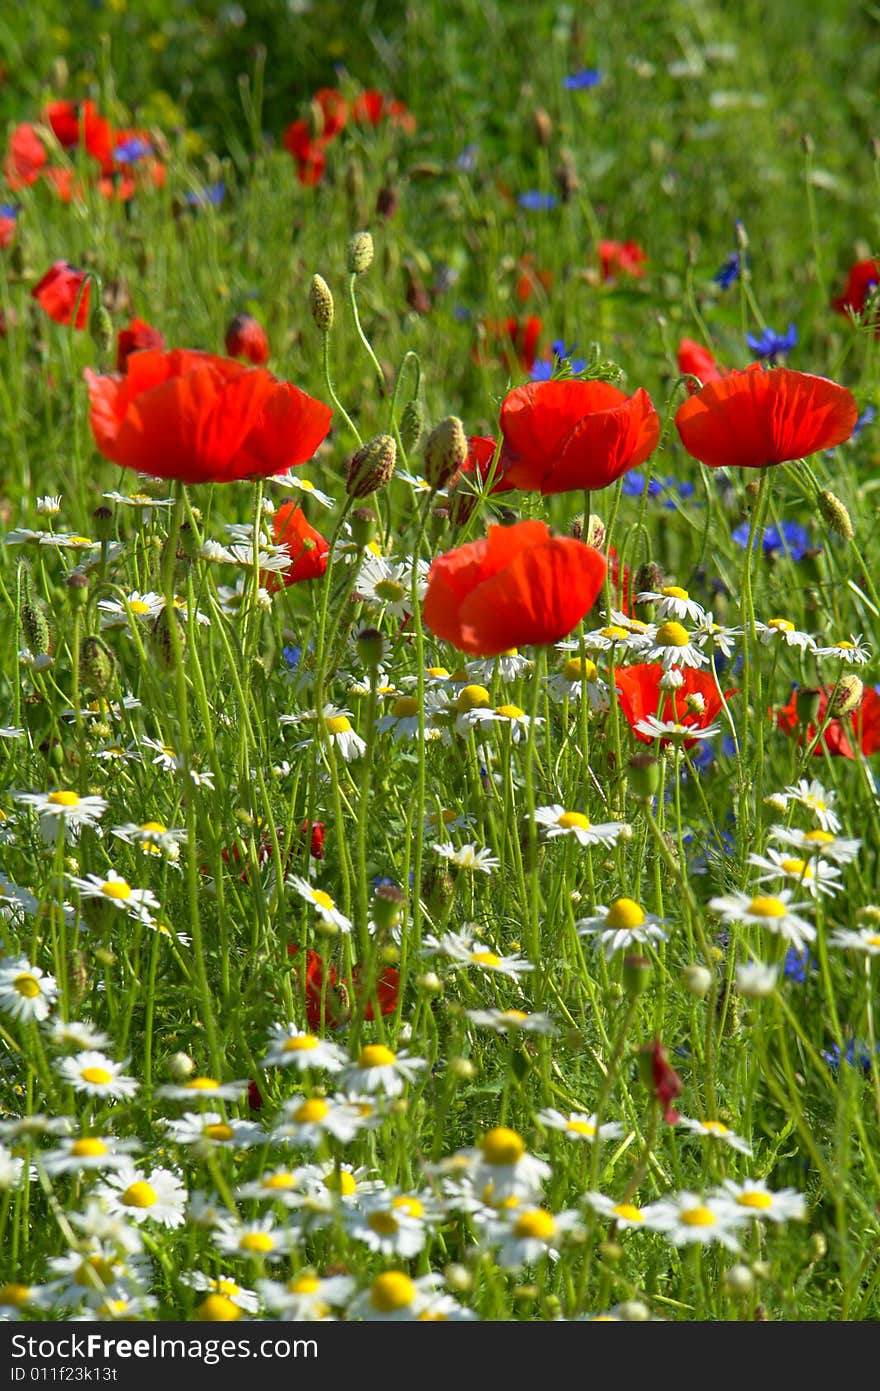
387,201
78,590
412,423
649,577
371,466
160,637
636,975
321,303
359,253
462,502
595,536
697,980
101,328
446,451
644,776
388,906
847,697
659,1077
835,514
363,526
369,645
34,623
97,663
438,889
246,338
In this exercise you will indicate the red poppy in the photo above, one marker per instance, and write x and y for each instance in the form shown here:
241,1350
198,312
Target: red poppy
372,107
336,1004
308,152
621,258
246,338
619,576
640,695
307,548
202,419
518,587
662,1078
138,337
515,341
695,359
861,725
862,278
530,280
118,187
255,1096
65,182
25,158
754,418
7,229
80,122
571,435
334,111
62,290
477,465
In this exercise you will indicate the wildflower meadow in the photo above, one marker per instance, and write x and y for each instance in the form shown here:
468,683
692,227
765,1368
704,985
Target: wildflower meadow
439,607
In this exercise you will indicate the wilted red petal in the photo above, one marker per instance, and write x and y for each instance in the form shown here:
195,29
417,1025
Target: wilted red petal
754,418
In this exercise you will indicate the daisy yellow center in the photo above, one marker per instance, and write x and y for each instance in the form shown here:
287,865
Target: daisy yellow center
672,635
79,541
203,1084
342,1182
383,1223
433,1316
767,908
218,1131
514,1016
782,625
314,1109
390,590
614,633
301,1043
499,1204
27,985
306,486
438,672
139,497
624,915
672,591
216,1308
168,751
873,940
63,799
303,1284
819,837
154,828
392,1291
502,1146
138,606
574,821
279,1181
537,1224
98,1076
576,670
140,1194
699,1217
405,707
15,1295
580,1128
756,1199
258,1243
797,867
509,712
322,899
376,1055
227,1287
485,958
412,1206
845,646
715,1128
96,1272
338,724
116,888
627,1212
88,1147
473,698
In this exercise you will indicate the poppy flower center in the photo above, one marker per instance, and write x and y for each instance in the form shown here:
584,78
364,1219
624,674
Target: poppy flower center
140,1194
63,799
574,821
767,908
536,1225
672,635
116,888
624,914
312,1110
627,1212
337,724
98,1076
576,670
502,1146
88,1147
473,698
699,1217
28,986
301,1043
376,1055
756,1199
405,707
392,1291
256,1242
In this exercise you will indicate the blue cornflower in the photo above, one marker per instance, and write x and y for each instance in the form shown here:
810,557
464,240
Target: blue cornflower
790,539
727,274
867,417
292,655
461,313
856,1054
535,201
797,965
8,210
771,345
130,151
212,194
467,160
544,369
582,81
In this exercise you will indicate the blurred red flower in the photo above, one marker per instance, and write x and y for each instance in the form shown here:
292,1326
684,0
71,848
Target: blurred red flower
75,123
202,419
661,1077
136,338
307,548
621,258
246,338
519,586
372,107
754,418
307,150
514,341
698,361
334,111
25,157
63,290
567,436
861,725
862,277
7,228
640,694
321,980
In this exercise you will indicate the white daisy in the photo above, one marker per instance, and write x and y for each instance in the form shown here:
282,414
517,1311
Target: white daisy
672,602
686,1217
279,1185
462,948
292,1047
577,679
516,720
159,1196
76,1152
62,808
673,645
620,638
225,1287
508,666
624,1215
260,1240
306,1296
209,1131
499,1165
152,837
77,1033
511,1021
525,1236
49,506
16,902
96,1075
556,821
776,914
624,925
467,857
26,992
714,635
388,583
865,939
783,631
813,796
320,900
715,1130
11,1169
309,1120
394,1297
821,843
135,607
203,1089
379,1069
753,1198
756,980
577,1125
812,875
113,889
850,651
301,485
389,1224
672,730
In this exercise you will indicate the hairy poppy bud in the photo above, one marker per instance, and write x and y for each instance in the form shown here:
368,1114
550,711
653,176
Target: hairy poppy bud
78,590
847,697
32,610
363,525
98,664
644,775
160,635
636,975
446,451
359,254
321,303
370,644
388,905
835,514
101,328
412,423
371,466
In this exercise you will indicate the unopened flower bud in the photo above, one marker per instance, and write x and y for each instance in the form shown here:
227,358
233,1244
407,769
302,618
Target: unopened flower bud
738,1280
636,975
438,889
97,663
321,303
869,914
181,1066
611,1252
463,1069
458,1277
161,640
78,589
695,703
818,1246
371,466
359,254
595,535
388,904
644,775
697,980
412,423
649,578
430,983
835,514
102,517
633,1311
370,644
246,338
363,526
847,696
446,451
101,328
